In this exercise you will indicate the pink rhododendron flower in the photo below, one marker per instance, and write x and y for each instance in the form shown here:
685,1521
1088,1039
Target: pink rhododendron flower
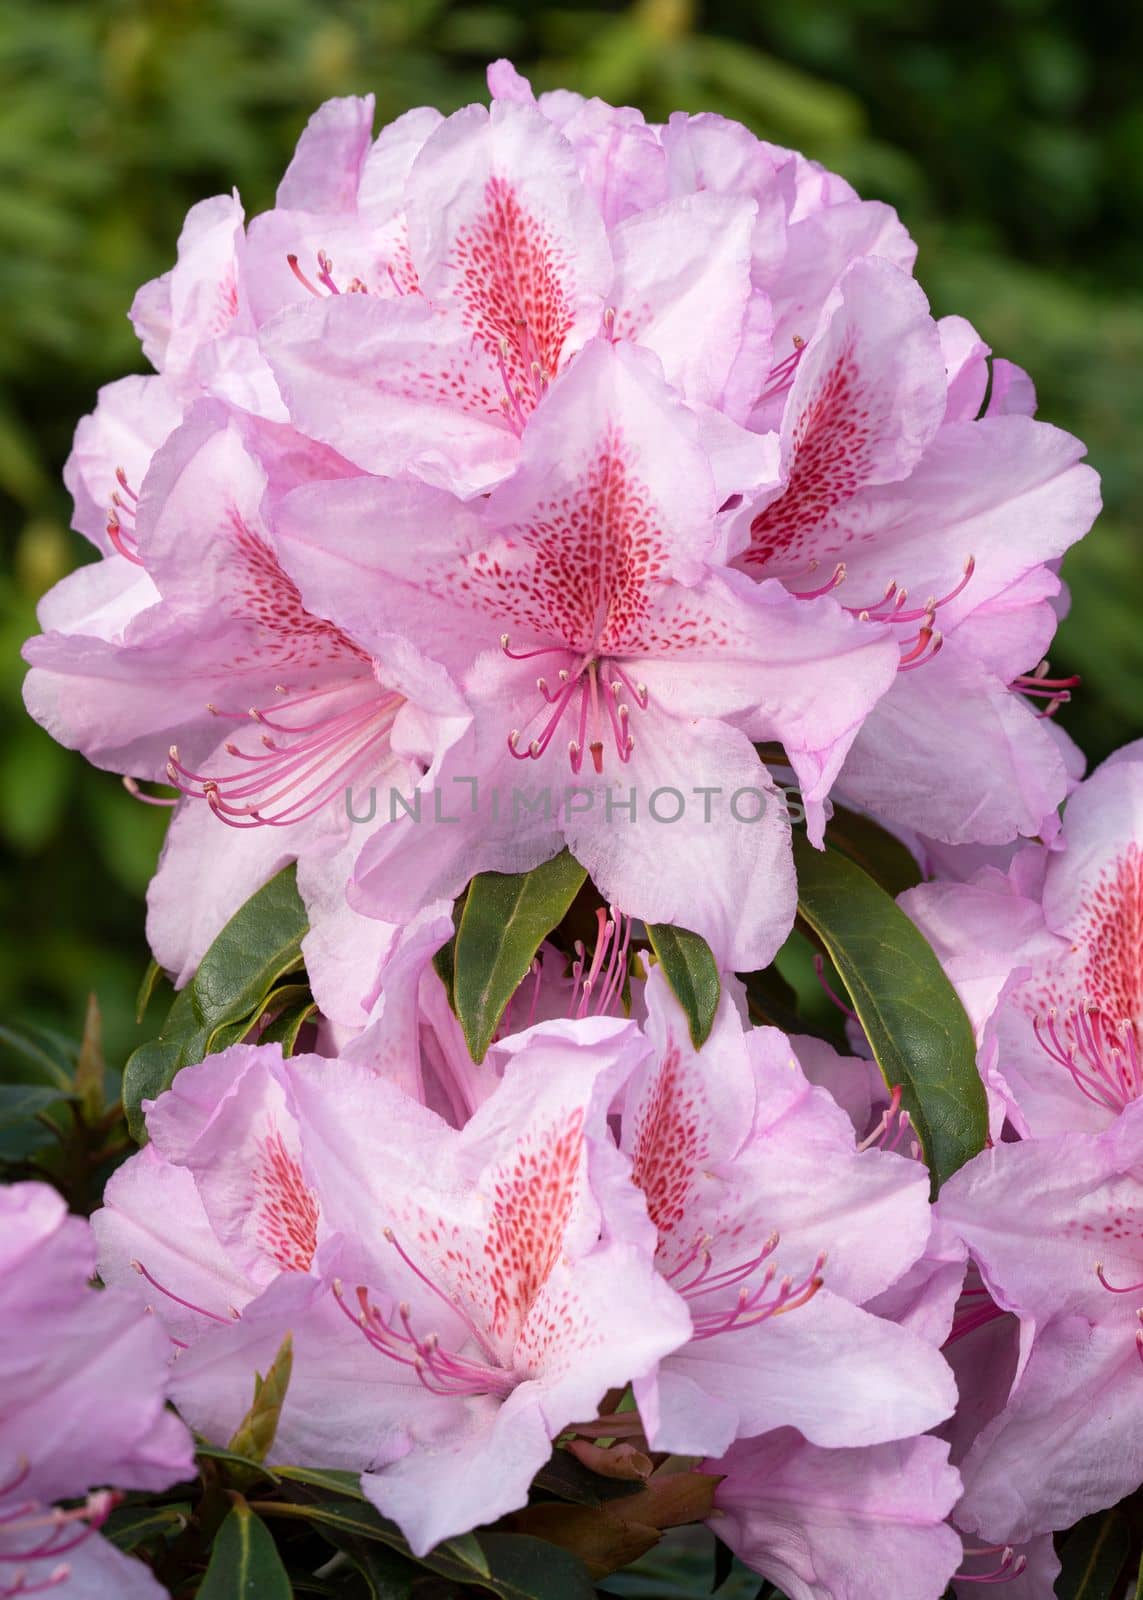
1053,1225
1047,955
82,1390
222,683
918,514
775,1229
839,1524
456,1298
581,607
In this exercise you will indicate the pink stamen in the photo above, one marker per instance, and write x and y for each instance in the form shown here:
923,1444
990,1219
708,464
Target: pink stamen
751,1305
439,1371
834,582
177,1298
846,1010
1126,1288
889,1117
136,793
894,598
600,683
1011,1565
781,376
1102,1057
306,774
292,262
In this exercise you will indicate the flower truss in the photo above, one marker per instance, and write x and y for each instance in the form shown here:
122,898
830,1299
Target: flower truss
551,551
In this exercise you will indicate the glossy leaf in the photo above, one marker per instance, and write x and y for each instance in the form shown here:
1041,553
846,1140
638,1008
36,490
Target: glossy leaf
244,1561
876,851
692,972
293,1006
133,1525
912,1016
255,1433
510,1566
147,985
20,1102
241,1466
505,919
258,946
342,1485
1093,1556
31,1054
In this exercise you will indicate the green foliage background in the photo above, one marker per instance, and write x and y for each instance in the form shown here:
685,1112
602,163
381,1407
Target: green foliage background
1008,135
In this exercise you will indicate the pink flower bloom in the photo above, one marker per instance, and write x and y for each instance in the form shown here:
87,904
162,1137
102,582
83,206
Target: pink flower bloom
919,515
604,657
775,1230
840,1524
1053,1225
82,1390
221,682
509,264
489,1286
1046,957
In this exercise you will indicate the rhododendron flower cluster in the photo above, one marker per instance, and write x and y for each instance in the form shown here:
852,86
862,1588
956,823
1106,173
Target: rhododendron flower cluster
522,515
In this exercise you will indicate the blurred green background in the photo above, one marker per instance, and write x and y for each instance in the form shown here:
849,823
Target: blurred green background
1010,137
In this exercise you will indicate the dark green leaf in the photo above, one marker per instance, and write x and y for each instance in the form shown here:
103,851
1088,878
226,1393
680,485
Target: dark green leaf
31,1054
443,963
290,1019
339,1484
255,1433
912,1016
150,982
243,1465
388,1575
691,971
20,1102
512,1566
505,919
244,1562
1093,1556
130,1526
877,852
258,946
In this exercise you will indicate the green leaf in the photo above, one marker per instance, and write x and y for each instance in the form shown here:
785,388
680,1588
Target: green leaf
340,1484
150,982
691,971
243,1466
505,919
258,946
130,1526
388,1575
912,1016
21,1102
876,851
255,1433
512,1566
31,1054
1093,1556
290,1020
244,1562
